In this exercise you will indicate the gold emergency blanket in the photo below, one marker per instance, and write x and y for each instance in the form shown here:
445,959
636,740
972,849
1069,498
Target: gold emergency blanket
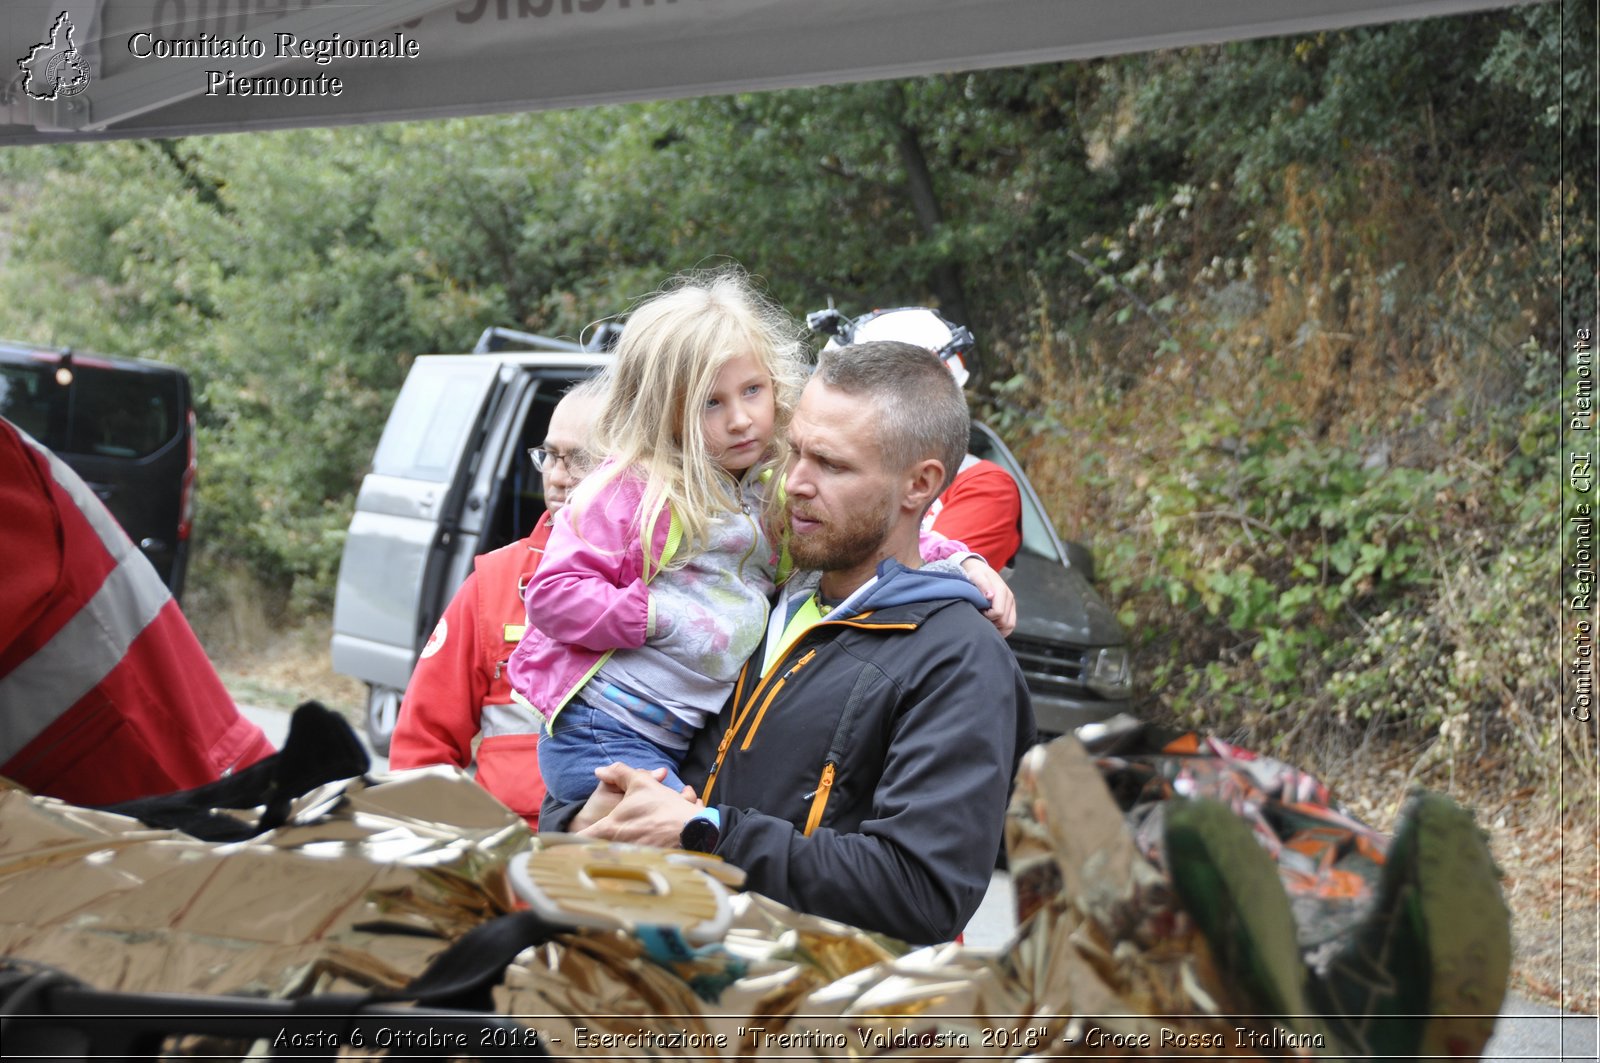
372,878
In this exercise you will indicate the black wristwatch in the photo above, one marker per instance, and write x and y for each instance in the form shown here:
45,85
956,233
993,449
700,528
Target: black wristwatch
702,832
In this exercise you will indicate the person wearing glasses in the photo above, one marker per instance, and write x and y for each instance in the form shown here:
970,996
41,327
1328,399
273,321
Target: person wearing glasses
459,693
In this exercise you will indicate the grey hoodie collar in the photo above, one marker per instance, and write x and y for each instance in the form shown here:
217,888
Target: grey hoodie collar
892,584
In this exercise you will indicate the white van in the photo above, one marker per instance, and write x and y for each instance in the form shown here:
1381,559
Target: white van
452,479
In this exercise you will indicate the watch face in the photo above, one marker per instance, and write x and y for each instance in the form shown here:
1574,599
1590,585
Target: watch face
699,835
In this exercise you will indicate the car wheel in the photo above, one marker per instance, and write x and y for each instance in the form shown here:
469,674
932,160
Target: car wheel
383,709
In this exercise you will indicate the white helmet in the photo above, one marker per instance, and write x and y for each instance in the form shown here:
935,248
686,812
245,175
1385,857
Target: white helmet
909,324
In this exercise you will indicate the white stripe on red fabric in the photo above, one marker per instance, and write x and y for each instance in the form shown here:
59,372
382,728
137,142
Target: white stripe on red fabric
79,656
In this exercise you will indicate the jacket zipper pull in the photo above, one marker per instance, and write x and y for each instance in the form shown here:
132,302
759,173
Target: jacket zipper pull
795,667
819,798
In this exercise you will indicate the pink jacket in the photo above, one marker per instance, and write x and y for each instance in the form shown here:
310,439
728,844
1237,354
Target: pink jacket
589,595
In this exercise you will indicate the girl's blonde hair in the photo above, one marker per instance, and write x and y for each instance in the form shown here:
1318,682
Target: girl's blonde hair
667,360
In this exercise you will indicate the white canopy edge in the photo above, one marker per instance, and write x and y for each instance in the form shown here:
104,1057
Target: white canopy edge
467,57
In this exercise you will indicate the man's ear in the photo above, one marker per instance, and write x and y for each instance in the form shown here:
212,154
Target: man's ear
923,484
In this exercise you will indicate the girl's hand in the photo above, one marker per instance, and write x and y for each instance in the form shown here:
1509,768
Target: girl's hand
643,811
1002,611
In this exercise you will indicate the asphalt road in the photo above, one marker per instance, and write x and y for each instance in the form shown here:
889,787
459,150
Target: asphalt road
1527,1032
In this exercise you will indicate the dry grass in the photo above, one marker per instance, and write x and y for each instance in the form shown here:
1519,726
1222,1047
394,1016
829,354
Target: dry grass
289,667
262,659
1547,858
1552,885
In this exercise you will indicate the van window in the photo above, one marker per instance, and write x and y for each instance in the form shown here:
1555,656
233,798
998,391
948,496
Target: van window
25,395
437,406
517,500
122,415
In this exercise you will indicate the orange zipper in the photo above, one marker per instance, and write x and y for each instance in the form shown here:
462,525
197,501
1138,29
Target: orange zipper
819,800
738,721
760,715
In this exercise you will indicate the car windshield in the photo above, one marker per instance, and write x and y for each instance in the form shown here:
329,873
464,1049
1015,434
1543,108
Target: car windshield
1036,538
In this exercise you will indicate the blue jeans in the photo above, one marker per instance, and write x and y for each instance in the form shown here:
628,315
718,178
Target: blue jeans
585,739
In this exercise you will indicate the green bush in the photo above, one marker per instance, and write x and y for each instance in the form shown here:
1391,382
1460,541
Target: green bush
1273,581
1273,538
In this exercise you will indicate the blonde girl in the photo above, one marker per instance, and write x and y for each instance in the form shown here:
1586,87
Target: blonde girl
658,576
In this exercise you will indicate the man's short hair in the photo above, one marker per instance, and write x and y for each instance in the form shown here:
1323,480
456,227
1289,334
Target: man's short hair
589,389
922,411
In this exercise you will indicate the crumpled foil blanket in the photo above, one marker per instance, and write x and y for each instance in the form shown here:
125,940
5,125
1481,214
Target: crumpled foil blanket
373,877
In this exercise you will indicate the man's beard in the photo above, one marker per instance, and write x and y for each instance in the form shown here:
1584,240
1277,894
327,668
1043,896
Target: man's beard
838,546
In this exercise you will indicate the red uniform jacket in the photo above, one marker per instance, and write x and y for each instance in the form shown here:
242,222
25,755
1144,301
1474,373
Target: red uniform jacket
459,689
982,508
105,694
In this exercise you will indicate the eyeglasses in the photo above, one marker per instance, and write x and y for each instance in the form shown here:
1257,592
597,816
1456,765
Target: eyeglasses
576,461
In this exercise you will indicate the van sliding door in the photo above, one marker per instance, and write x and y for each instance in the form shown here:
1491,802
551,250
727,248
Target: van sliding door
408,515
